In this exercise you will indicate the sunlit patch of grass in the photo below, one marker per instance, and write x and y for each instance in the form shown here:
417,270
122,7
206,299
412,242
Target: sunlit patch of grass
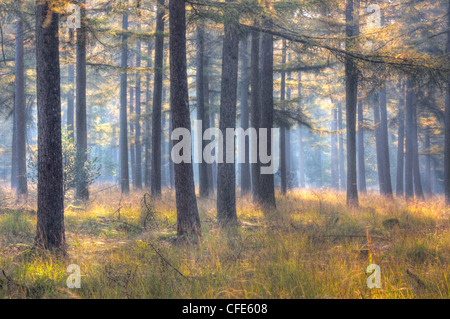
311,246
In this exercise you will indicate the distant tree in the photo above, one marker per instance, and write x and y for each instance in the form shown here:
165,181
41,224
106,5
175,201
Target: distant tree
401,140
50,214
361,153
447,123
137,138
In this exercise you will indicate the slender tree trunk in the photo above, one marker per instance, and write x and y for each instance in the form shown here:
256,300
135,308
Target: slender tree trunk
255,109
201,112
171,168
148,123
208,116
20,112
226,179
132,134
157,101
334,151
124,172
427,163
342,176
401,142
283,129
409,159
301,163
81,182
447,124
188,220
71,93
14,170
137,138
418,190
245,82
361,151
384,135
379,147
266,181
50,213
351,89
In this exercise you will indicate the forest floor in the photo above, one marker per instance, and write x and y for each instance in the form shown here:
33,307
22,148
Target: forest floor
312,246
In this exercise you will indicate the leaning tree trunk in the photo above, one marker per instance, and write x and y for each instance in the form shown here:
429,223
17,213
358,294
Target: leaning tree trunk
361,152
20,113
447,124
255,109
401,142
188,220
351,92
226,179
157,102
124,172
50,213
245,81
266,181
201,112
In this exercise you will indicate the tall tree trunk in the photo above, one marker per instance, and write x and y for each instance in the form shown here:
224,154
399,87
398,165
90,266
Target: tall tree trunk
137,138
208,116
245,82
266,181
409,186
14,171
351,92
124,172
50,213
81,182
379,147
157,101
447,124
188,220
20,112
71,93
401,141
148,122
301,162
171,168
283,129
361,152
384,135
226,179
418,190
201,112
132,136
255,109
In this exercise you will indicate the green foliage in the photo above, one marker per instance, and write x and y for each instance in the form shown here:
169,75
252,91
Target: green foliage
91,167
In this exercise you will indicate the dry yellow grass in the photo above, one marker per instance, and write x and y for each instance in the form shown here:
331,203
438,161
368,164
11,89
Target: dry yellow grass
312,246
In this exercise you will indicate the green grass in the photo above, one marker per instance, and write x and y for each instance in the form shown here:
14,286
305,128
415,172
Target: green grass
312,246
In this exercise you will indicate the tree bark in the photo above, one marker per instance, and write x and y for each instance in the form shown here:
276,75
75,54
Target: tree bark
447,124
157,102
351,89
255,108
124,172
226,179
342,176
409,186
384,135
283,129
379,147
71,93
418,189
20,112
137,138
148,123
201,112
245,81
266,181
401,142
50,213
188,220
361,150
301,164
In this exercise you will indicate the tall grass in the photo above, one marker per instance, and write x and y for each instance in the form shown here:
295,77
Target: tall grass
311,246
